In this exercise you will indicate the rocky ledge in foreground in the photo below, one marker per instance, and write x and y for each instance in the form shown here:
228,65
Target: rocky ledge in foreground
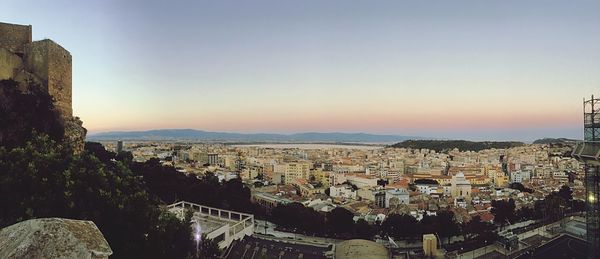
53,238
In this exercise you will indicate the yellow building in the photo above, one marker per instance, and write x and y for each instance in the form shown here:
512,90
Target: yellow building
295,171
429,245
500,180
320,176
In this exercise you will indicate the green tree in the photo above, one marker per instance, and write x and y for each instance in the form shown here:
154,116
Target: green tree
525,213
475,228
364,230
400,226
554,207
340,221
446,224
170,238
208,249
24,113
41,177
44,179
504,211
566,193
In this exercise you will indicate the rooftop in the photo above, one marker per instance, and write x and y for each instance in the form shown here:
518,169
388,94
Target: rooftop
359,248
253,247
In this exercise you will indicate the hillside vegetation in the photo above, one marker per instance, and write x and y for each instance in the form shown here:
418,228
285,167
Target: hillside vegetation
462,145
42,177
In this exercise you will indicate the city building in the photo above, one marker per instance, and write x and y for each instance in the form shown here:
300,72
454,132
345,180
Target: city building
289,173
269,201
342,191
460,187
396,197
429,245
213,158
520,176
119,146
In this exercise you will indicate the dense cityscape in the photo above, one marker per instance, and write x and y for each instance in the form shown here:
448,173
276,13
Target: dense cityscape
299,130
378,186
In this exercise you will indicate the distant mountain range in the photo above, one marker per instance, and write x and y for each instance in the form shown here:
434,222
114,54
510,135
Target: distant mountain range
200,135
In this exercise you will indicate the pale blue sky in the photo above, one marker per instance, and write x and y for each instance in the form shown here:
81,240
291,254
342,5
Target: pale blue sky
456,69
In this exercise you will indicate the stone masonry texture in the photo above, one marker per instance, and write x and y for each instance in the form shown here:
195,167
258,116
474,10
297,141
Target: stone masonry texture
44,62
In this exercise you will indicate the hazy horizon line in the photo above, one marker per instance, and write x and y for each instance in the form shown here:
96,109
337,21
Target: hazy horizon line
427,136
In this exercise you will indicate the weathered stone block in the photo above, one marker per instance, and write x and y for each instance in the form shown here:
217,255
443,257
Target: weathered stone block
52,63
14,36
75,134
24,78
53,238
10,63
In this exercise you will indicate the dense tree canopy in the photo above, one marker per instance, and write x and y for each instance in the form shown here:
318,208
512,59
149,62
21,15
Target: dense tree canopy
295,217
23,113
463,145
566,193
404,226
364,230
475,228
42,179
340,221
171,186
504,211
40,176
400,226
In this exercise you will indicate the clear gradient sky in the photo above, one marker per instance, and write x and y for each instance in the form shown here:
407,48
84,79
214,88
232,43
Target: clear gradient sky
476,70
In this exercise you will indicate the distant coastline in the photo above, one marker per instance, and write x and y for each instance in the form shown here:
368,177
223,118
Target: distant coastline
364,146
227,137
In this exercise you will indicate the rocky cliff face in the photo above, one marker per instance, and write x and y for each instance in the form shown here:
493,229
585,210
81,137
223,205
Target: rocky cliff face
53,238
75,134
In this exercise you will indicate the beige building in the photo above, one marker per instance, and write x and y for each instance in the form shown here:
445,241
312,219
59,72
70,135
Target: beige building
460,187
289,173
430,245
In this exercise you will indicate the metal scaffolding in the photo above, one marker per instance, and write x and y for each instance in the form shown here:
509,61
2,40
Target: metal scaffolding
588,152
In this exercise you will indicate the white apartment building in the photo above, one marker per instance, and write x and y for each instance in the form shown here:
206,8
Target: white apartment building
520,176
342,191
400,196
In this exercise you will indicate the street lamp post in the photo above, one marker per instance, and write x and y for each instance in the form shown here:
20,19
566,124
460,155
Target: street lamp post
197,238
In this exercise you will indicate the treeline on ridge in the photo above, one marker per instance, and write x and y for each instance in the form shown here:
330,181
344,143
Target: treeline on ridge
462,145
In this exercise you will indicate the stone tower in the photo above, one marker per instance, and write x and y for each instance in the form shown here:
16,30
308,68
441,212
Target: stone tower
43,62
52,64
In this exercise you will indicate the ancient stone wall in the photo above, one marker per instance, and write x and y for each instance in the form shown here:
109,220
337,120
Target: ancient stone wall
46,63
52,63
10,64
14,37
